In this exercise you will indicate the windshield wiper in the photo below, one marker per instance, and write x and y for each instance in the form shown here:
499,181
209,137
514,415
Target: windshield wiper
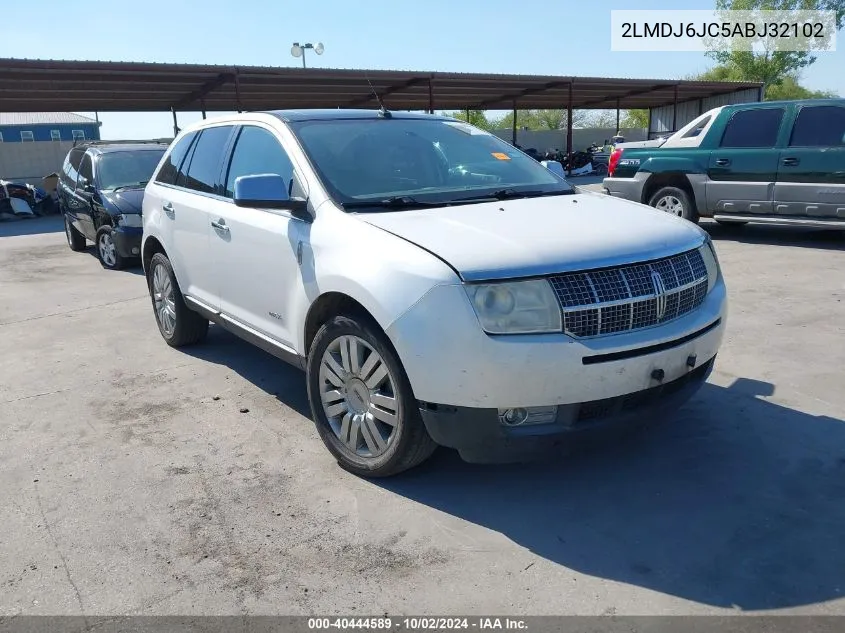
394,202
508,194
136,185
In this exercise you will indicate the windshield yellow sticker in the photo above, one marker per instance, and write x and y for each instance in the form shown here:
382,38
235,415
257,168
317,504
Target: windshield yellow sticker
501,156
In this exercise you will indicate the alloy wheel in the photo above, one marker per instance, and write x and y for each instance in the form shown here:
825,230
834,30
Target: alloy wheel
107,249
670,204
165,306
359,396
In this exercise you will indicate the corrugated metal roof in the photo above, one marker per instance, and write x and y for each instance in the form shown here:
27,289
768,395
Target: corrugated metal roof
87,86
42,118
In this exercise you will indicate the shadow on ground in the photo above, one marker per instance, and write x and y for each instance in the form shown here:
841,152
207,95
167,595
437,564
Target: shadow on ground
276,377
32,226
777,235
739,502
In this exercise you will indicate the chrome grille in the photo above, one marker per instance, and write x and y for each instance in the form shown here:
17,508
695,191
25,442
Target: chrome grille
612,300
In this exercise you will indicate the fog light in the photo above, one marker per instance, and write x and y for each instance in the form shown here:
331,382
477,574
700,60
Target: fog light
135,250
520,416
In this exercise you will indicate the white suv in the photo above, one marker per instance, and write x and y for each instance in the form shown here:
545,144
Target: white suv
437,285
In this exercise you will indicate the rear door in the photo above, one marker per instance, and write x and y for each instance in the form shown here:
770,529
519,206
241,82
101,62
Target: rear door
743,168
255,252
189,205
811,173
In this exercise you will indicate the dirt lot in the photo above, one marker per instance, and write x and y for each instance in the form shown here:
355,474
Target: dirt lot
128,487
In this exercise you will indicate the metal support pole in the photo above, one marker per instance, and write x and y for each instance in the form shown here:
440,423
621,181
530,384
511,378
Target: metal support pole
569,129
513,127
648,131
467,115
430,97
175,123
238,87
202,104
675,112
617,116
761,93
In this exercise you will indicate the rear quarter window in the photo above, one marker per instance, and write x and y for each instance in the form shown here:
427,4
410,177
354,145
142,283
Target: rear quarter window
169,171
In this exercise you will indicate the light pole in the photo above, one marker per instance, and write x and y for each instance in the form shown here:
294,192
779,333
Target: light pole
298,50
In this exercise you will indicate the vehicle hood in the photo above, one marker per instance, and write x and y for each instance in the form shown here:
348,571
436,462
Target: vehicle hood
126,200
539,236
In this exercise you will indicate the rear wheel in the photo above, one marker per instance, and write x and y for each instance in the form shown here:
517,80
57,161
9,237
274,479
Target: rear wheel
675,201
362,402
75,239
178,324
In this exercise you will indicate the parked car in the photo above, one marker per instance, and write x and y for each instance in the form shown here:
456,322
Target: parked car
437,285
773,162
100,191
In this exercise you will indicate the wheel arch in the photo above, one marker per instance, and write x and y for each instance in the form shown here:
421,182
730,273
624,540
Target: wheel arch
150,247
677,179
331,304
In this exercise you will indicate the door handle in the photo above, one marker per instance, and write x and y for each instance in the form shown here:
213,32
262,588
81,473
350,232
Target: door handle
723,162
791,161
220,225
168,209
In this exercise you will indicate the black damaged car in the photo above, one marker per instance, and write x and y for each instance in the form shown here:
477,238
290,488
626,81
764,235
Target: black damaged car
101,188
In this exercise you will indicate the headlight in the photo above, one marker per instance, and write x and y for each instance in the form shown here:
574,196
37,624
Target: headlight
708,254
130,219
518,307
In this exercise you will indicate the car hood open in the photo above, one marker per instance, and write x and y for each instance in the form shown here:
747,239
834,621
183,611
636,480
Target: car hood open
539,236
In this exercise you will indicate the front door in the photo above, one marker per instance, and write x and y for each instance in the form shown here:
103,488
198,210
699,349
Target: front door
84,200
743,168
256,250
811,173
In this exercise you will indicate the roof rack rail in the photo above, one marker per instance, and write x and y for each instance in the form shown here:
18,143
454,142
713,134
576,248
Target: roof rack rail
157,141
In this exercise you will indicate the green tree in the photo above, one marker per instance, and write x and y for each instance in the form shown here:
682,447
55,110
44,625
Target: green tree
635,119
789,89
771,66
478,118
546,119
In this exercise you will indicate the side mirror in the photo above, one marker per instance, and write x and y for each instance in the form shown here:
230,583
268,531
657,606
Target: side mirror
89,188
268,191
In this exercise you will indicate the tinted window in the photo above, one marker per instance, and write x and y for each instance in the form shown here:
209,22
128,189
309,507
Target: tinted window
70,169
127,169
169,170
86,169
753,128
258,152
819,126
204,169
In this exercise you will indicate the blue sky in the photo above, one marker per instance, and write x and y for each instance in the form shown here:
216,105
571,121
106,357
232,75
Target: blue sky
532,37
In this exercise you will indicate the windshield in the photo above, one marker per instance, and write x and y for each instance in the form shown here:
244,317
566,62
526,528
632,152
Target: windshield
419,160
127,169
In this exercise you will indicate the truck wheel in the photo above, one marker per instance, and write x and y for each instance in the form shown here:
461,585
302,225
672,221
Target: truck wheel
675,201
178,324
362,402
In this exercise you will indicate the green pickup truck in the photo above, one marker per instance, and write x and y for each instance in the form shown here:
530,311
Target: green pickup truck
773,162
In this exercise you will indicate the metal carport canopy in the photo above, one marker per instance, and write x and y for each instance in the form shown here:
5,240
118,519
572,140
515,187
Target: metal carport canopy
50,85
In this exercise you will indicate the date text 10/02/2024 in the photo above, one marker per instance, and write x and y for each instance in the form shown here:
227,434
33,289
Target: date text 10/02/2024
417,623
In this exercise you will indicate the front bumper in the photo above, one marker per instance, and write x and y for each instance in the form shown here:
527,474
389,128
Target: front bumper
127,240
480,437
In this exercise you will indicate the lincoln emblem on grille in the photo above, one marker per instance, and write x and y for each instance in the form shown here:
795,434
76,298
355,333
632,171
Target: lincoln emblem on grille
659,294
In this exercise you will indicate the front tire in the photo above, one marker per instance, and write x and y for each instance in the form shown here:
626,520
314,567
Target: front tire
178,324
362,402
107,250
675,201
75,239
